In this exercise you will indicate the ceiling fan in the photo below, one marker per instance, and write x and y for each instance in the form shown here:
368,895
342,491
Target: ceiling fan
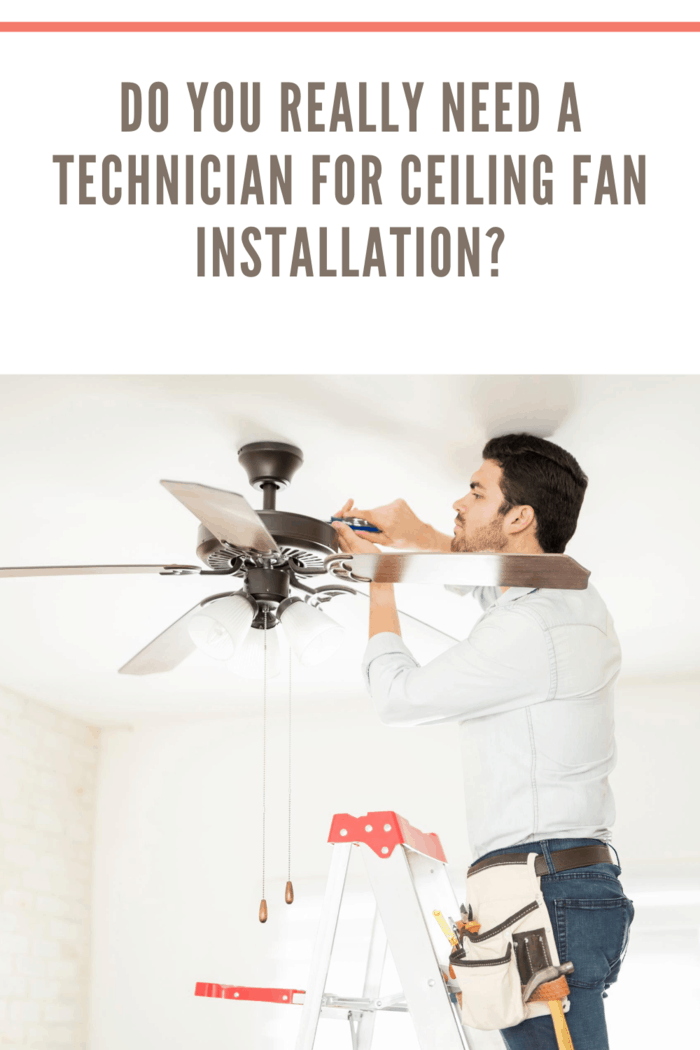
274,552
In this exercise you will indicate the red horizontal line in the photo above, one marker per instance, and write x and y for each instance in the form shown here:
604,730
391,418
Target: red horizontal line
349,27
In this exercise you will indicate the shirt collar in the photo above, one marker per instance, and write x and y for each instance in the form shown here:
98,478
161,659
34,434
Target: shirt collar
513,593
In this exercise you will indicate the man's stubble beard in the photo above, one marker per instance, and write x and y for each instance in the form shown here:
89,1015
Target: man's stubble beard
488,538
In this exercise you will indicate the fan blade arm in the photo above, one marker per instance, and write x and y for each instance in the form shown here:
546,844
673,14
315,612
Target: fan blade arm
97,570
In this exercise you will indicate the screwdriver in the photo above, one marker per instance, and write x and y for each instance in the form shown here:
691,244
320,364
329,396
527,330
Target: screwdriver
452,938
357,524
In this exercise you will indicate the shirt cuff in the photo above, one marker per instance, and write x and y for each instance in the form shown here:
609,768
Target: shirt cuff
385,644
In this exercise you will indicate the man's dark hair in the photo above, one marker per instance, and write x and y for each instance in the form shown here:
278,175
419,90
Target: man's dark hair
541,475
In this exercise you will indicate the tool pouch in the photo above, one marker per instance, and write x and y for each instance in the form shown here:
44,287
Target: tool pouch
514,941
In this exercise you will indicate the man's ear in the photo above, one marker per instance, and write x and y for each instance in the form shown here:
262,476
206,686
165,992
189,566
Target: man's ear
520,518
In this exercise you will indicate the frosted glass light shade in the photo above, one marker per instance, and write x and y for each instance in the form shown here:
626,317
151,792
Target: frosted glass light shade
249,658
313,636
221,626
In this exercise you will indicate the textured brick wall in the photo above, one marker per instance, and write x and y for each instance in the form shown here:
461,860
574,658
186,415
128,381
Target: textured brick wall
47,781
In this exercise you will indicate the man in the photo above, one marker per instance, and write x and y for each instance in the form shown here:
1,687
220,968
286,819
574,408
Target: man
531,690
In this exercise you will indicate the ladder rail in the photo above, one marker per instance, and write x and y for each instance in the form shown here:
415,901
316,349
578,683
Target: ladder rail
323,948
414,948
373,981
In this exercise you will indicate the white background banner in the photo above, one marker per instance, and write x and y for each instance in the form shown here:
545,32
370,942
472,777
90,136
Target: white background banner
99,286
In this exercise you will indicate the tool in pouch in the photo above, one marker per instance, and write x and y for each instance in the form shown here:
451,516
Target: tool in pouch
507,965
451,936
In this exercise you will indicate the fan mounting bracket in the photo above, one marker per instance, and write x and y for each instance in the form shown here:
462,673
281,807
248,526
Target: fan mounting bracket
270,464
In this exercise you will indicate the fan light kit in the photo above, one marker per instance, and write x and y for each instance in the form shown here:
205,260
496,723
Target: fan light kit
222,625
224,630
273,552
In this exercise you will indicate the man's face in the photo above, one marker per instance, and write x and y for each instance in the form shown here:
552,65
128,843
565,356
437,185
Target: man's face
479,526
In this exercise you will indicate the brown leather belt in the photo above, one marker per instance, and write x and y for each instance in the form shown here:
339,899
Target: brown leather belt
562,859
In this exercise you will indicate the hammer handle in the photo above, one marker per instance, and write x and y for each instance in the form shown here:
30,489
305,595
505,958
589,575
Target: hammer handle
561,1028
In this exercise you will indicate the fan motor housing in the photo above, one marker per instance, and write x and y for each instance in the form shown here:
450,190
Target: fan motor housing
306,540
298,530
303,541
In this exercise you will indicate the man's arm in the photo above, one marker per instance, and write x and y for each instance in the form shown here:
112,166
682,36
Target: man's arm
503,665
399,528
383,616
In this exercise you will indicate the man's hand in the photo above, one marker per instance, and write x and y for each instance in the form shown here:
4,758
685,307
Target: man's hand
351,541
382,605
399,527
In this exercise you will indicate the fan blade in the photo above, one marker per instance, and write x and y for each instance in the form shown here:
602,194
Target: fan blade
433,632
169,648
97,570
227,515
475,569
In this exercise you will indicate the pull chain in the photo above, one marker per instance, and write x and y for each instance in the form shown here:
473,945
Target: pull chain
289,889
262,914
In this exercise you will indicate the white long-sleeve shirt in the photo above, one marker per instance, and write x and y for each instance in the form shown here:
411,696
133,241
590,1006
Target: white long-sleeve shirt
531,691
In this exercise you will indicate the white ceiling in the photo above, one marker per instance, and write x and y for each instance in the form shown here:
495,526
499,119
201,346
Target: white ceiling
82,456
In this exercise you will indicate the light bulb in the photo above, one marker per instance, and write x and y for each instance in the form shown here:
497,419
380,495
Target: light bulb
221,625
313,636
249,659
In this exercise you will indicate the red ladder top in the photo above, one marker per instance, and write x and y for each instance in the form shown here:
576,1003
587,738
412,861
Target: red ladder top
382,831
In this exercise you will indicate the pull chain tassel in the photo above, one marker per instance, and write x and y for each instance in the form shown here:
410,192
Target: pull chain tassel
262,914
288,893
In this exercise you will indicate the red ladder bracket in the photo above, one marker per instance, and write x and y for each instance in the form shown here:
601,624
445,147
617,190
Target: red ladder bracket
384,830
288,996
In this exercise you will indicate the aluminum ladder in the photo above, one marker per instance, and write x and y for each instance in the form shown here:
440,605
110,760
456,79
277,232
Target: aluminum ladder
408,877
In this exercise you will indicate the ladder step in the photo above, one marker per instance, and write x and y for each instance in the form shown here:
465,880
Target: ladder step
391,1003
286,996
296,997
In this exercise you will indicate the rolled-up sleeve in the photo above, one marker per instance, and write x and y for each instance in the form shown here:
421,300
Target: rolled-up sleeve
505,663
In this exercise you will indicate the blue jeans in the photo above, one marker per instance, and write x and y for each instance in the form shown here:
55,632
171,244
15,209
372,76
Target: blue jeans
591,920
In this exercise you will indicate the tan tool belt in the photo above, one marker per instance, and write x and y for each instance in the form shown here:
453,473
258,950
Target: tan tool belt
509,941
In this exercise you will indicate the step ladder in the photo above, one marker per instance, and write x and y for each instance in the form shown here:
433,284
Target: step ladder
408,876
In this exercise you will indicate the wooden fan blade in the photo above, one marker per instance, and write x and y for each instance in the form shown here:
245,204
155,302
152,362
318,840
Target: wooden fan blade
227,515
475,569
97,570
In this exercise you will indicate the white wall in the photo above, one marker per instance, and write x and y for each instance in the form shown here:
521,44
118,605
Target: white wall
657,780
47,774
178,850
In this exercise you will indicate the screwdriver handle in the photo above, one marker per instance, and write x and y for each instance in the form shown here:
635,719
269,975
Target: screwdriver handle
445,928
